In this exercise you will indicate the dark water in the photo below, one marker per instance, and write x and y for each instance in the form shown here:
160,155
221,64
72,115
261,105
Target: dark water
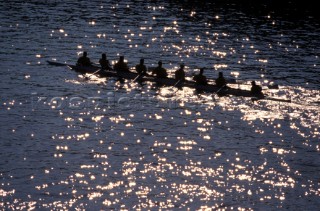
70,143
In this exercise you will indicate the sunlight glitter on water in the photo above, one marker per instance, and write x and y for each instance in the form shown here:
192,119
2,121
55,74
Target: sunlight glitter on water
78,147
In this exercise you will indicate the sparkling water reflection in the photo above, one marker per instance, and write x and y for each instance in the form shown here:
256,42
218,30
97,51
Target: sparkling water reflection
72,143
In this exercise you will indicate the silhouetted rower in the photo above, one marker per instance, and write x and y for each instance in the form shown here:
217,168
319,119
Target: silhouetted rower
159,71
256,89
84,60
180,74
221,81
141,68
121,65
200,79
104,62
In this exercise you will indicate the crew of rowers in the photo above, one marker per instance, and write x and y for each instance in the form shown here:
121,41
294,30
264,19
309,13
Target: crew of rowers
160,72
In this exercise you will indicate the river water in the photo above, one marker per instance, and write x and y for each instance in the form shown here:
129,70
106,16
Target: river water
71,143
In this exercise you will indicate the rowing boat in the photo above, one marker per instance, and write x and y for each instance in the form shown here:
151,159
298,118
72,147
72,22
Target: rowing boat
166,81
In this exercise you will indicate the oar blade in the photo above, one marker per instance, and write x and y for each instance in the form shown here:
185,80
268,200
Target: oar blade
56,63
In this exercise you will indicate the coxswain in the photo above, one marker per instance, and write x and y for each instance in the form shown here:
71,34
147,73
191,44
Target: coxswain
221,81
159,71
84,60
255,89
104,62
200,79
141,69
121,65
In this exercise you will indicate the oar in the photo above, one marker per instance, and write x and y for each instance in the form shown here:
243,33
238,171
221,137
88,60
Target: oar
175,85
221,89
56,63
218,91
136,78
277,99
87,78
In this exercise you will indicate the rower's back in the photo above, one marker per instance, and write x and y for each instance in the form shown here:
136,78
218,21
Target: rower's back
221,81
121,65
256,89
200,79
84,60
159,71
141,68
180,74
104,62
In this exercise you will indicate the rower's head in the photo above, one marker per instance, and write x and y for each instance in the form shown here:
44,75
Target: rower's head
104,56
181,66
201,71
253,83
220,74
160,63
141,61
84,53
121,59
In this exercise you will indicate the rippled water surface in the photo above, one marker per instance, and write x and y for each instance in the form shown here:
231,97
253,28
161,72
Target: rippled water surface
71,143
